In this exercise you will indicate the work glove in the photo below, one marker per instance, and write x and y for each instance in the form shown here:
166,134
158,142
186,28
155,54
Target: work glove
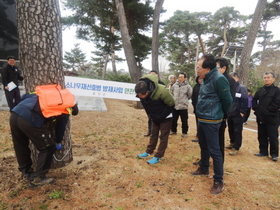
59,146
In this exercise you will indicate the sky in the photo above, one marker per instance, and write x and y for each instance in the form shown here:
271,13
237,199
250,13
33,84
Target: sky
245,7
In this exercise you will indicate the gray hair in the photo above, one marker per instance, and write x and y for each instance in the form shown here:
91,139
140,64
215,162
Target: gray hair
269,72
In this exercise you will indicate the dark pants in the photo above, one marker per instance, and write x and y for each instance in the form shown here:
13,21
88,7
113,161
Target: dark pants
209,145
150,123
184,119
23,131
247,114
235,127
268,134
164,130
196,122
222,138
12,97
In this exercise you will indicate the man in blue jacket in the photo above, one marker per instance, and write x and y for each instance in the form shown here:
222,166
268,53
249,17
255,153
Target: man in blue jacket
214,100
28,124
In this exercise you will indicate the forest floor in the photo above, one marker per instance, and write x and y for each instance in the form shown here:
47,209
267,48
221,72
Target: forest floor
106,174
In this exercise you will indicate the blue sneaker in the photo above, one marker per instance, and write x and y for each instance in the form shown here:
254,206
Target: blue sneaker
154,160
145,155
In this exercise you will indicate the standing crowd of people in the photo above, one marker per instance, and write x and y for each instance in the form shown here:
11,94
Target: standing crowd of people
219,100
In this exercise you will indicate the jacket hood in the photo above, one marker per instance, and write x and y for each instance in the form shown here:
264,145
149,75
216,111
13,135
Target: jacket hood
152,81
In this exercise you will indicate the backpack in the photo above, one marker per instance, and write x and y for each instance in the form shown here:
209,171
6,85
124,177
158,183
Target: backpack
54,100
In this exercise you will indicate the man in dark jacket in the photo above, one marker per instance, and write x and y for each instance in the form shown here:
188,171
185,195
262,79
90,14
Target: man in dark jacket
236,115
10,77
28,123
214,100
222,65
266,104
194,102
158,104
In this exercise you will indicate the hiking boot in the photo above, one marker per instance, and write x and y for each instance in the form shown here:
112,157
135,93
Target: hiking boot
233,152
230,146
199,172
173,133
274,158
145,155
38,181
154,160
217,188
184,135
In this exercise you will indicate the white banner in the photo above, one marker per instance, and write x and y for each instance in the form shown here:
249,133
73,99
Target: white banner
100,88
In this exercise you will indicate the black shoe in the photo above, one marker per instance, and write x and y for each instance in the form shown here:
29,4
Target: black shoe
195,140
27,174
147,134
197,163
260,155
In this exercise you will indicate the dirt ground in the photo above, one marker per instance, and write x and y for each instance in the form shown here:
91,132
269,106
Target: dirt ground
106,173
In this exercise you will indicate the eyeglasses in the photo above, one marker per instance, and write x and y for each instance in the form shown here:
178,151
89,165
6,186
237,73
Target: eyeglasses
198,69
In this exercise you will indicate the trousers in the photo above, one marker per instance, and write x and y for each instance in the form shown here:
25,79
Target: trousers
43,140
159,131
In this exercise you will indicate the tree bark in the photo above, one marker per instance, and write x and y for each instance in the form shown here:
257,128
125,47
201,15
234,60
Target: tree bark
113,55
251,37
105,66
129,53
155,39
40,54
225,40
201,44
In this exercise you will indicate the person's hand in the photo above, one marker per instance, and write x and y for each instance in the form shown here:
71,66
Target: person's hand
7,87
59,146
242,115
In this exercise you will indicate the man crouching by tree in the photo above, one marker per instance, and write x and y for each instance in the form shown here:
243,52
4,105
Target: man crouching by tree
158,104
28,123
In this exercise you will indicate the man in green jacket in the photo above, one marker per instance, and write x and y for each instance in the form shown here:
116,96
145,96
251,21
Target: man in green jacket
158,104
214,101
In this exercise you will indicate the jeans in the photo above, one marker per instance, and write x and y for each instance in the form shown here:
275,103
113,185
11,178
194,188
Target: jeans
222,137
209,144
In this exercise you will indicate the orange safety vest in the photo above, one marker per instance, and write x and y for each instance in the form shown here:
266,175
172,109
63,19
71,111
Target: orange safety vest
53,100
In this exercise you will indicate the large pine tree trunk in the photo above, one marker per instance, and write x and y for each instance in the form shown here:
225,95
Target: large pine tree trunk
251,37
129,53
155,40
40,54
